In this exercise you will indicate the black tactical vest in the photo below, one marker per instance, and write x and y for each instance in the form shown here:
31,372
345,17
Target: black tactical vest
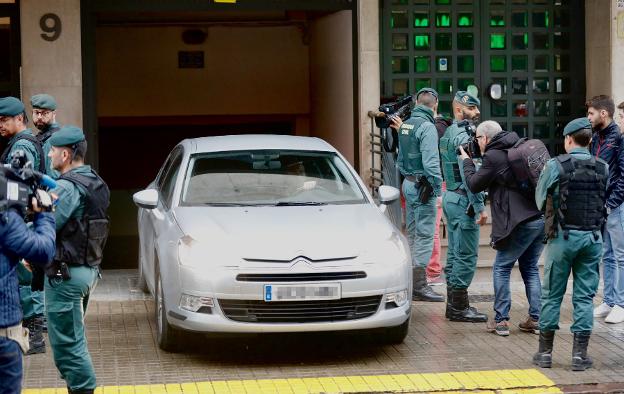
582,190
81,241
47,133
23,136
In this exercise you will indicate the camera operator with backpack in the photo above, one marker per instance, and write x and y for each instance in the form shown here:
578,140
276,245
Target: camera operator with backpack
510,170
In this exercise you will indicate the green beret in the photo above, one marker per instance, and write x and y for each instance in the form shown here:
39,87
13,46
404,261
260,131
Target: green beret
576,125
466,99
43,101
10,106
427,90
67,136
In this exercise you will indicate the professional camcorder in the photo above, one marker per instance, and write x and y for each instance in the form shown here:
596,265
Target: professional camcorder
401,108
19,183
471,147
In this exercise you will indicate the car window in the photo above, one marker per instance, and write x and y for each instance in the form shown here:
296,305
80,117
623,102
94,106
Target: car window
165,168
269,177
169,178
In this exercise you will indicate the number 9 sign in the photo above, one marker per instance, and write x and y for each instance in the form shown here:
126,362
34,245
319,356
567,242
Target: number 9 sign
51,26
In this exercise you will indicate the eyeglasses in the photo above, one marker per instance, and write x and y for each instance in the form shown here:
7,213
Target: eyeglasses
41,112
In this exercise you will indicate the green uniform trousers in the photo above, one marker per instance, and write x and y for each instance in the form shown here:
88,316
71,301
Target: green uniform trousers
463,241
66,304
32,301
420,222
581,254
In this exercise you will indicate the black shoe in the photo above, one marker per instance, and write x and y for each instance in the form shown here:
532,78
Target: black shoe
36,340
460,309
580,360
543,357
422,291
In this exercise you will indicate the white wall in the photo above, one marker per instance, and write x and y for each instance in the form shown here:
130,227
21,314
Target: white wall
617,51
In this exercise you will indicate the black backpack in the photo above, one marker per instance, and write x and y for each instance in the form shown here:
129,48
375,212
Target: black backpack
527,159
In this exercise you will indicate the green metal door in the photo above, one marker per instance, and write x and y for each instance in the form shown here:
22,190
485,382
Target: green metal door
533,49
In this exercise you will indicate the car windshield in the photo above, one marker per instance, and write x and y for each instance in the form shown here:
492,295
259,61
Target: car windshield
270,177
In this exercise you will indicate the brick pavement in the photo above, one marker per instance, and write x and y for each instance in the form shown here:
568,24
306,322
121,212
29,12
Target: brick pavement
121,336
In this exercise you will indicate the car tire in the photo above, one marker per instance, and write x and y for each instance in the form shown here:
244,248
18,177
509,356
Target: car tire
141,281
166,335
394,335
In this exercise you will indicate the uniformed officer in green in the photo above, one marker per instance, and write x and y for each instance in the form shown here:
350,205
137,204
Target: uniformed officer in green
82,228
464,212
572,189
419,162
44,118
13,121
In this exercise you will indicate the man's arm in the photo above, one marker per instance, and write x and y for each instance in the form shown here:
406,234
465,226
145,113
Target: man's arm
616,198
478,181
37,245
29,151
68,202
431,156
548,177
476,199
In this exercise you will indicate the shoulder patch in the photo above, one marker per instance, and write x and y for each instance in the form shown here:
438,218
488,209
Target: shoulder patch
408,126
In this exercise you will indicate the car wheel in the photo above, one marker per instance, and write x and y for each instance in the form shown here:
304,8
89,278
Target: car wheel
394,335
141,282
166,335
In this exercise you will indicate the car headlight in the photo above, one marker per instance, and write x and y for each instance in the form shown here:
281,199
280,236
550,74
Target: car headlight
399,298
389,250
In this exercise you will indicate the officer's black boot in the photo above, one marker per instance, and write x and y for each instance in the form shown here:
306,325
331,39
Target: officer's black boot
449,300
580,360
460,309
35,335
83,391
422,291
543,357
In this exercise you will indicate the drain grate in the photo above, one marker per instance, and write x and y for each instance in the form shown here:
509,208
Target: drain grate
481,298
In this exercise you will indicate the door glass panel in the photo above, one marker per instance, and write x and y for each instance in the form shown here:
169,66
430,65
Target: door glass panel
398,19
562,108
443,19
463,83
541,85
464,19
421,83
541,63
541,131
561,63
444,86
520,108
444,108
444,41
519,63
498,108
562,85
520,41
423,2
399,2
522,129
444,64
497,41
399,42
561,40
540,41
518,1
520,86
465,41
400,64
443,1
497,18
562,18
400,87
520,19
5,49
421,19
540,19
541,108
421,42
465,64
498,63
422,64
497,1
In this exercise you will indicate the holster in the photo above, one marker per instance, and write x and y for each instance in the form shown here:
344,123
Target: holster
58,270
425,190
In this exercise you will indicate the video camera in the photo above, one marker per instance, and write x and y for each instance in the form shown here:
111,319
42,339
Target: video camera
401,108
471,147
19,183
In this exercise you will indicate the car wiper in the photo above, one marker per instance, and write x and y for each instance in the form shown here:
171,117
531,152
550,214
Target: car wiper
298,203
231,204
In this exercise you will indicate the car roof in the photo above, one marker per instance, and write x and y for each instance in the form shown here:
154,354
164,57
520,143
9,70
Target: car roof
256,141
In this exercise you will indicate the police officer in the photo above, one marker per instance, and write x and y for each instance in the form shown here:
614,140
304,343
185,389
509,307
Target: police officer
82,228
464,213
21,138
572,188
44,118
419,163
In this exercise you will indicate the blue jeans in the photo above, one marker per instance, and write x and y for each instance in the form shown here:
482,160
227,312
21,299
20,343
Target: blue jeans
525,246
613,258
10,366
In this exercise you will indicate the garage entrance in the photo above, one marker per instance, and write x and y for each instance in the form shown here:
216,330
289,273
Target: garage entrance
159,72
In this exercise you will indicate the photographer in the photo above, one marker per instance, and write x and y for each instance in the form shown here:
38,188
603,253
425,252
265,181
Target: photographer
464,212
517,224
35,244
82,229
419,163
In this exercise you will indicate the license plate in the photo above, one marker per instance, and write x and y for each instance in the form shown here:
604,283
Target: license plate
327,291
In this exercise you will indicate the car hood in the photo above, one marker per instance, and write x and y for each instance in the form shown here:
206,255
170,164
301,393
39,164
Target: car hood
284,233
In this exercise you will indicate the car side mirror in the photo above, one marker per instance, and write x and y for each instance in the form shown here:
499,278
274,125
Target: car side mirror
147,198
388,194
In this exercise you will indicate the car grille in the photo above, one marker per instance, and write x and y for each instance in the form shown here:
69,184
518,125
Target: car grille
252,311
303,277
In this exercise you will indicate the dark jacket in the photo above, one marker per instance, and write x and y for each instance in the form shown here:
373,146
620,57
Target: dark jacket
608,145
510,207
17,241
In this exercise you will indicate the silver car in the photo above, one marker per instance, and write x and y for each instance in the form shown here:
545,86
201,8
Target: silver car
267,233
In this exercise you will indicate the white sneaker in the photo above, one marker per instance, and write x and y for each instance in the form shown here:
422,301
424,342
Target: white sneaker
616,315
602,310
